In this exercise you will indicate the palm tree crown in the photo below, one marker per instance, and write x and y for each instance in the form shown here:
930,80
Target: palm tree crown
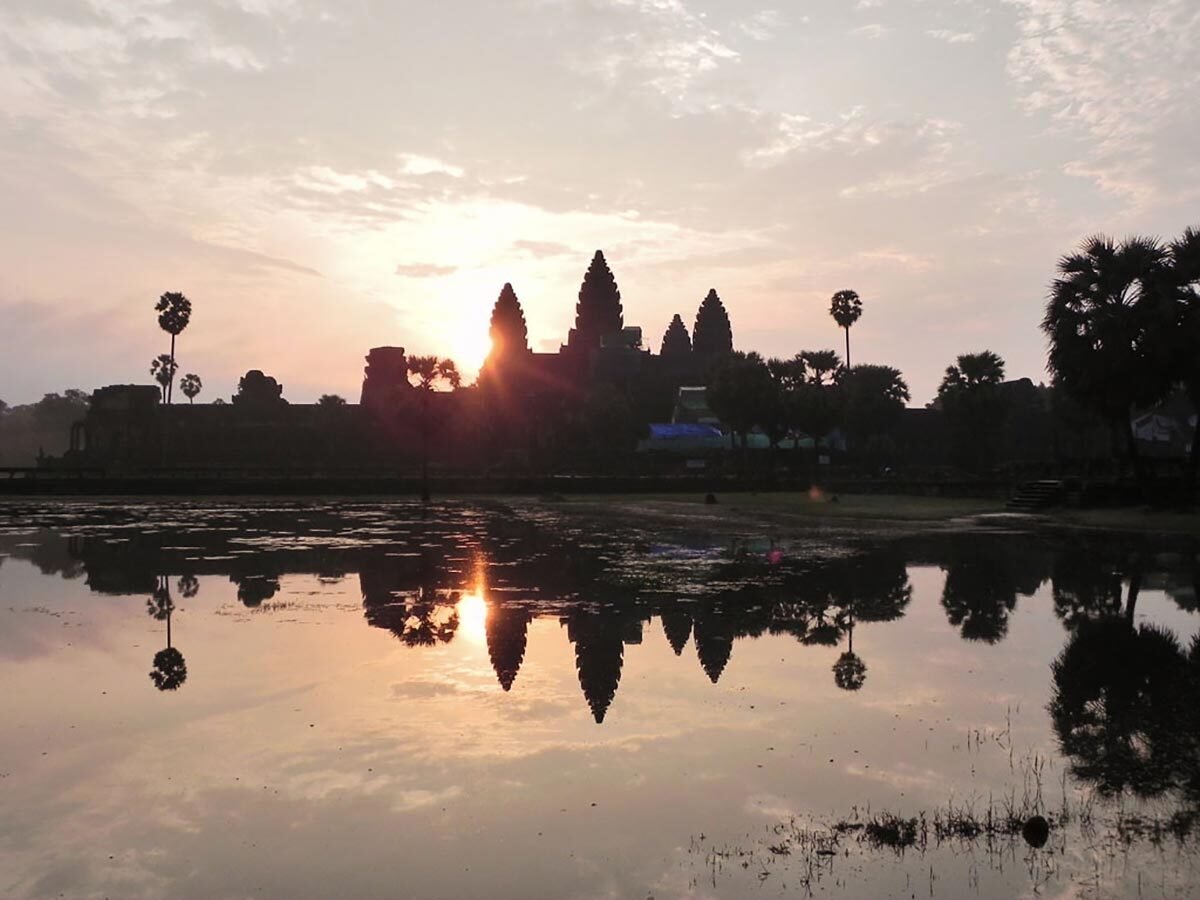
432,370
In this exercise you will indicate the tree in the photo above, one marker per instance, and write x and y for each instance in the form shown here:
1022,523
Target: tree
170,669
1117,708
821,365
598,313
508,330
712,335
1184,258
430,371
1104,319
259,391
330,401
191,385
162,367
675,342
174,313
874,398
845,307
743,394
974,407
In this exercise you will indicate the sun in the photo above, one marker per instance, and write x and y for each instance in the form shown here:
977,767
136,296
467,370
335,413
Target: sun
469,348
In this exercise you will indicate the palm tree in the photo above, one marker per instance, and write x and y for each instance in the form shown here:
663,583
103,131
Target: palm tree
1184,256
846,307
162,367
429,372
190,384
974,370
170,669
974,407
174,313
1104,319
820,365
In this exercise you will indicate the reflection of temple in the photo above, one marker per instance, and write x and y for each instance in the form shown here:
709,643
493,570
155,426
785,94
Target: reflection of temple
413,571
507,629
600,637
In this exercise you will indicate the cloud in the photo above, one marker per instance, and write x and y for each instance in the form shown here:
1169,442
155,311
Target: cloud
1122,76
874,31
424,270
415,164
953,37
543,249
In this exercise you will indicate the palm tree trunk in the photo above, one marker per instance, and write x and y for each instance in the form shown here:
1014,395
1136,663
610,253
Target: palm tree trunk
425,446
171,383
1135,458
847,348
1193,469
1135,587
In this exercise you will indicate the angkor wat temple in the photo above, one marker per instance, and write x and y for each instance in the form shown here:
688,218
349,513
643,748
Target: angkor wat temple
599,390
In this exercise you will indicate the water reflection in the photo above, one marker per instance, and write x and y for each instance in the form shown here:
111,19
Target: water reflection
466,588
170,668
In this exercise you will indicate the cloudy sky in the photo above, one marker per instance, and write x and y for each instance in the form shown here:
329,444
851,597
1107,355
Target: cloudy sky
323,176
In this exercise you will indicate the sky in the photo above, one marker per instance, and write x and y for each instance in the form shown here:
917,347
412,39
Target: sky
325,176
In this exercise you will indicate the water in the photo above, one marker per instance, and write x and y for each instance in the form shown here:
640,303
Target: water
513,699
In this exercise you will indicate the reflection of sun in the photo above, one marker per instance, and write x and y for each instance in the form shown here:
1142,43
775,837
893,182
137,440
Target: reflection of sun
472,617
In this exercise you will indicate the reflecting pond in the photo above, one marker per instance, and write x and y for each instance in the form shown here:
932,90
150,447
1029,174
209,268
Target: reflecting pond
522,699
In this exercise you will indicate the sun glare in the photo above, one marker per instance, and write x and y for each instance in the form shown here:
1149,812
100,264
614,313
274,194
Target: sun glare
472,617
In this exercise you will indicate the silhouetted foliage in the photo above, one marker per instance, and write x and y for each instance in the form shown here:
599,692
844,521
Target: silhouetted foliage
1184,342
162,367
712,335
846,308
331,400
849,672
874,398
190,385
1118,708
432,371
170,669
598,313
259,391
821,365
974,407
675,342
743,394
508,331
1105,321
174,312
254,590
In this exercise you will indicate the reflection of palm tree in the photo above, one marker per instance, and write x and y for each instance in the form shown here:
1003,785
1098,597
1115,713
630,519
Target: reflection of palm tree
1118,708
170,670
1087,584
189,586
426,623
850,672
253,590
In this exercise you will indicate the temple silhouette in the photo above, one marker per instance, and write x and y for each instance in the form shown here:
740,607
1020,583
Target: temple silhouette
527,409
